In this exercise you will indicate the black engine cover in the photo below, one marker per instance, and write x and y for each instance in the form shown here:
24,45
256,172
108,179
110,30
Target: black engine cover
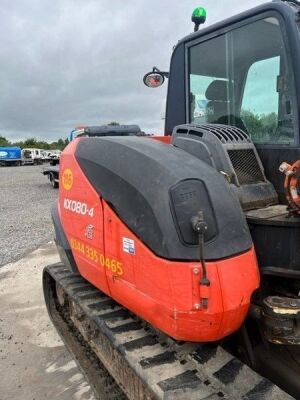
157,188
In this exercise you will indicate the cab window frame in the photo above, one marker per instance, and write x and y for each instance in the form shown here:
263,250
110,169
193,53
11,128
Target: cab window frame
290,63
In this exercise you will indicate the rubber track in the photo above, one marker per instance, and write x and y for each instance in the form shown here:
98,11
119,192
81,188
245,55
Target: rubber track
149,365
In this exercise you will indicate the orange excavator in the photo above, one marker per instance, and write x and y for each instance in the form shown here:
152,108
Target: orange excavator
180,263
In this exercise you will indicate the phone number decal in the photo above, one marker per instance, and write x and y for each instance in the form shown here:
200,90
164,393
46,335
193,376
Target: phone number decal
94,255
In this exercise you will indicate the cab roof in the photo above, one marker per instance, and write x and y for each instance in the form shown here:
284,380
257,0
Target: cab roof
286,9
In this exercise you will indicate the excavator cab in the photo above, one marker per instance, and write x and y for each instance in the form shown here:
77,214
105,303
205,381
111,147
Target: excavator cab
246,68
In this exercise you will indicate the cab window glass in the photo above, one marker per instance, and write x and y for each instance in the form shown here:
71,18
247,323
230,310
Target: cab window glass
242,78
261,103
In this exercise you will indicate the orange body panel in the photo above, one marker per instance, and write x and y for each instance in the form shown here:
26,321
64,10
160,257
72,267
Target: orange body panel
163,139
165,293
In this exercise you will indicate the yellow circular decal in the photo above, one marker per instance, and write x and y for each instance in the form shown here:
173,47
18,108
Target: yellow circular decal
67,179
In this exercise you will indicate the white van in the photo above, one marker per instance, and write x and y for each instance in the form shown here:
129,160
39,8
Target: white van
32,156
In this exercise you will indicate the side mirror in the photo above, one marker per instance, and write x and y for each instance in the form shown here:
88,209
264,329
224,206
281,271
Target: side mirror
154,79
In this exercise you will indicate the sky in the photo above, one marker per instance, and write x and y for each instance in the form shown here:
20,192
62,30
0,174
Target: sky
65,63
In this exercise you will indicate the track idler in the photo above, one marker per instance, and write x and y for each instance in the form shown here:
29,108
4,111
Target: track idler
281,320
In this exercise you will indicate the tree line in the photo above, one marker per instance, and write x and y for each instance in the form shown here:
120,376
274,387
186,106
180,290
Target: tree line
60,144
260,126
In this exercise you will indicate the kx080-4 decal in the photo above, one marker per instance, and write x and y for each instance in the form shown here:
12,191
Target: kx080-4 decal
78,207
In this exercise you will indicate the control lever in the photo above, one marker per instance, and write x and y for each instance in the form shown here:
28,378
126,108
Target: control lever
200,227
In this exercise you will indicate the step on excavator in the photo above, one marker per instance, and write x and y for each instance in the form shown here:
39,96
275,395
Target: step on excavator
180,254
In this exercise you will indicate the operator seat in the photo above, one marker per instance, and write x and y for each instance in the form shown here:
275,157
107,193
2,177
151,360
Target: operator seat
217,106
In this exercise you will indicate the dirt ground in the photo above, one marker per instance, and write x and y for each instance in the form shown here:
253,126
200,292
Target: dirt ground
34,364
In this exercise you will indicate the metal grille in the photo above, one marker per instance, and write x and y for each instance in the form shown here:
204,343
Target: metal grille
246,166
226,134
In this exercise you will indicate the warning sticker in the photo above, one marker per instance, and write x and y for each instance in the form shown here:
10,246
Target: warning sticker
128,246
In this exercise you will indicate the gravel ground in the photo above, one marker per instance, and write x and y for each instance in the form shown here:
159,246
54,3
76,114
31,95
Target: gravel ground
34,363
26,198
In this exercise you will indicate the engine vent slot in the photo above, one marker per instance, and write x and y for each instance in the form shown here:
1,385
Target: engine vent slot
246,166
227,134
